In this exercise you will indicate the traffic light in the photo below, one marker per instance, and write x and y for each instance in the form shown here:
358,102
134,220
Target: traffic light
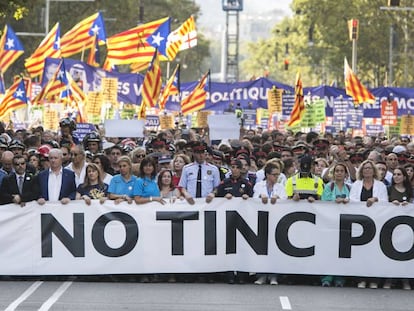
393,2
286,63
353,29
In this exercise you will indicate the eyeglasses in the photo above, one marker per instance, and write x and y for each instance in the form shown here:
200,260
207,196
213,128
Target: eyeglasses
140,155
19,163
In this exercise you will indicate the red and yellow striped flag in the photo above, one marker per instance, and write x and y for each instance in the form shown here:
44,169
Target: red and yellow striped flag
196,100
10,48
131,46
14,98
355,89
151,86
299,105
82,35
171,88
49,47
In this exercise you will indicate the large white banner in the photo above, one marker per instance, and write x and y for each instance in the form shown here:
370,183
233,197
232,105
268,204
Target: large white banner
225,235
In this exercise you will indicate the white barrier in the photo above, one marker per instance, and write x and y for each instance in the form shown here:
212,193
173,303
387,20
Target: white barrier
225,235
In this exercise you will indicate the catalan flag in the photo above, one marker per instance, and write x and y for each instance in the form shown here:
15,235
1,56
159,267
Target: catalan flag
94,56
299,105
196,100
158,39
49,47
78,97
10,48
131,46
355,89
178,38
82,35
56,86
15,98
171,88
151,86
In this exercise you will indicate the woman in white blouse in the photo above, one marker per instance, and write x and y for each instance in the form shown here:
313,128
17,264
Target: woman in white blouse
269,189
368,188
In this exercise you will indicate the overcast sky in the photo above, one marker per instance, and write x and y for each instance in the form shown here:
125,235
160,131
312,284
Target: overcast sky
212,12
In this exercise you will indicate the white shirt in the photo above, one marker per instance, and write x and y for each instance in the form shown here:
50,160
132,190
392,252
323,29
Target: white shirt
260,175
260,189
79,179
379,190
54,184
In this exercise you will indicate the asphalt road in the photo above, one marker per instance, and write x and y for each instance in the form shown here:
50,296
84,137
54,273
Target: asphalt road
83,295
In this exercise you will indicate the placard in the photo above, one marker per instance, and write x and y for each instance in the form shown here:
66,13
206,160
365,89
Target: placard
124,128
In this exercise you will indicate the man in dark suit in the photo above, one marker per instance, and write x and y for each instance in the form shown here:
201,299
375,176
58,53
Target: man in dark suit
56,183
20,186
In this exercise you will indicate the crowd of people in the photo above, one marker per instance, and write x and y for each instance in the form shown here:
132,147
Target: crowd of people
169,165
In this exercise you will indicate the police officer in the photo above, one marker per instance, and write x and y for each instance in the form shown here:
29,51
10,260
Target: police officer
67,136
200,178
236,185
304,185
92,142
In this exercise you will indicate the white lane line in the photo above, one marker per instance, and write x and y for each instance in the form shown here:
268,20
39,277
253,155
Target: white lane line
24,296
56,295
284,301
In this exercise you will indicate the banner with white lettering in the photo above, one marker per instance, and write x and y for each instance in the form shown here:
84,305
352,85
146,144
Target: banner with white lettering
225,235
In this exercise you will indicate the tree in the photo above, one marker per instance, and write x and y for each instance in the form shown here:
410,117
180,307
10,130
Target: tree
317,35
119,16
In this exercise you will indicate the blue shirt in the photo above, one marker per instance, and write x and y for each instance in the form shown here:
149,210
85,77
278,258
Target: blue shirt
118,185
331,192
145,187
210,178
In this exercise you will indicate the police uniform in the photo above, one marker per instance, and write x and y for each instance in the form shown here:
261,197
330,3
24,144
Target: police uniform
304,183
305,186
210,178
237,187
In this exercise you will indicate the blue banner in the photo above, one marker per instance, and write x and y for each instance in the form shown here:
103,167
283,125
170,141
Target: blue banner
223,96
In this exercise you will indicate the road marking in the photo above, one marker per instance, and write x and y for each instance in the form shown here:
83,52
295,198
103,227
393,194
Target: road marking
56,295
284,301
24,296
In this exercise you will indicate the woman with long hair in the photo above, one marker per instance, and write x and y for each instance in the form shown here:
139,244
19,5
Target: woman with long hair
34,160
179,161
337,191
93,188
368,188
103,163
409,168
146,188
400,193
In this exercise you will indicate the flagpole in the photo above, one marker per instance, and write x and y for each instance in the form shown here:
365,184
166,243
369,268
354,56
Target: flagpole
168,71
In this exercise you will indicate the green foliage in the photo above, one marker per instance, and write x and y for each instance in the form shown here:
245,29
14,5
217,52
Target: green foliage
321,60
119,16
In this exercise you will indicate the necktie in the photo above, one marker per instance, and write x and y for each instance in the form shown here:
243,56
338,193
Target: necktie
198,189
20,184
